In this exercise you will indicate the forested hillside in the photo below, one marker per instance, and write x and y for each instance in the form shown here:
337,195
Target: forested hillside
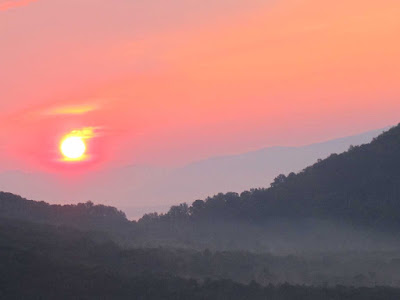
83,215
360,186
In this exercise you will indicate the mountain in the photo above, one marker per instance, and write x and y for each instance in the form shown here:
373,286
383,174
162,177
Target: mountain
359,186
346,201
141,189
235,173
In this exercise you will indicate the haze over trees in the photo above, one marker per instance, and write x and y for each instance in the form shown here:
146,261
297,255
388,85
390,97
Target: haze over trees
47,262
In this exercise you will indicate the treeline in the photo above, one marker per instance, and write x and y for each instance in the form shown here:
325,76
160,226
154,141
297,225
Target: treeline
82,215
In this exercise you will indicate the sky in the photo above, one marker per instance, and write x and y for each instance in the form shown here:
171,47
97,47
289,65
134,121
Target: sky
166,83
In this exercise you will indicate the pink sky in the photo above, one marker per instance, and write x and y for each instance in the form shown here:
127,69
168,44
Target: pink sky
169,82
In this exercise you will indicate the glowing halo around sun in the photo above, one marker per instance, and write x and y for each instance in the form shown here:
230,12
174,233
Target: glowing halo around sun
73,145
73,148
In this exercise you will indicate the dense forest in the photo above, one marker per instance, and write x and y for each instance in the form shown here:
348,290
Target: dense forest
328,232
42,261
70,246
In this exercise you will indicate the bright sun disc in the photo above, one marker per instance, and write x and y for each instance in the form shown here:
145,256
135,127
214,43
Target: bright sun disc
73,147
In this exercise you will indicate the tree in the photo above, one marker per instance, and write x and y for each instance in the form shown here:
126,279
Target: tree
278,180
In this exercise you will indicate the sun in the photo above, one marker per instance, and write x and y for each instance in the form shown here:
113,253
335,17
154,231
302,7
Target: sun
73,148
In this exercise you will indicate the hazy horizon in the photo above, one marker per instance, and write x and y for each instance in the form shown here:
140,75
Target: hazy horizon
139,189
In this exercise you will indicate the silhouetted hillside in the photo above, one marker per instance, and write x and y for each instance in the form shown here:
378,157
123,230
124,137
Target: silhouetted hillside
83,215
360,187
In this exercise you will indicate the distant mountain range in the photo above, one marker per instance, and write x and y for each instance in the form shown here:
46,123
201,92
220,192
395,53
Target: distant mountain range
142,189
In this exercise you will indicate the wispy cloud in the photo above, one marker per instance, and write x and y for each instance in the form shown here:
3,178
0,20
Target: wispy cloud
9,4
84,133
72,110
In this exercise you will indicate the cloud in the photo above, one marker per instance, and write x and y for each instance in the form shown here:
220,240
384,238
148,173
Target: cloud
84,133
72,110
9,4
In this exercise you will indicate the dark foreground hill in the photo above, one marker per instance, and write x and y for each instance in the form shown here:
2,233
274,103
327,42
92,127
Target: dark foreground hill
25,242
46,262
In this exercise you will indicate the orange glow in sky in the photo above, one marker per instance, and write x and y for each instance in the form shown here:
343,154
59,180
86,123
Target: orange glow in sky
171,82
